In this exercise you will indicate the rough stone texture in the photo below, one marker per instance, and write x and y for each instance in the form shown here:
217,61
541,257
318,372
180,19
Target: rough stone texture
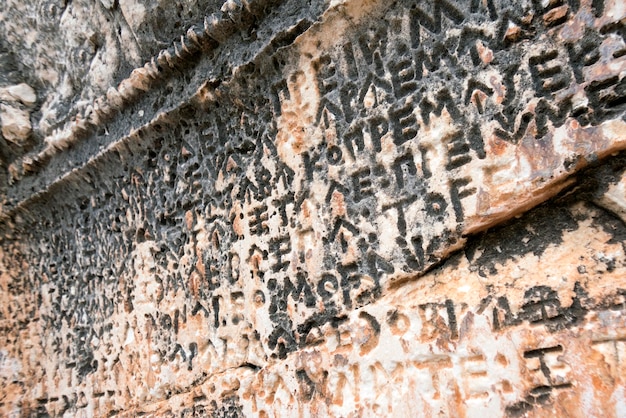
346,208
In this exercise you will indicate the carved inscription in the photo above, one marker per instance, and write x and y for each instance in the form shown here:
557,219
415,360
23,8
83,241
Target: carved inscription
406,120
262,223
451,376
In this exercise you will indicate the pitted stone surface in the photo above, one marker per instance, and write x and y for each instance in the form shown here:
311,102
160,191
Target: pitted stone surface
285,213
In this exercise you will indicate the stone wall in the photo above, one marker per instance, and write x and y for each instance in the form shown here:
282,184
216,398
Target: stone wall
345,208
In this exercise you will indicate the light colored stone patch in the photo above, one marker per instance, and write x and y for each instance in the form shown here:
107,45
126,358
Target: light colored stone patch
22,93
15,122
615,198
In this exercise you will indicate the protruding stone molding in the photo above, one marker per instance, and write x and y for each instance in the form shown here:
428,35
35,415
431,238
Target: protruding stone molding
201,39
235,15
86,138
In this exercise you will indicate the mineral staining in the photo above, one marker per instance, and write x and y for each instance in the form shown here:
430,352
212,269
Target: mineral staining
242,228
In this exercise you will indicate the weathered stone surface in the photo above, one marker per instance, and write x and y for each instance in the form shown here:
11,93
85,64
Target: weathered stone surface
284,212
522,330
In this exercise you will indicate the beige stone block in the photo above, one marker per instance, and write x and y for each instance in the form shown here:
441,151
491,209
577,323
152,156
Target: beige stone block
15,122
22,93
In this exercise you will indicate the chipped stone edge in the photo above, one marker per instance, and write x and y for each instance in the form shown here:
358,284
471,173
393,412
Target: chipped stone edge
199,39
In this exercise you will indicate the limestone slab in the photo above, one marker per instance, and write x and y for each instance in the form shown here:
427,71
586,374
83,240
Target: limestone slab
282,213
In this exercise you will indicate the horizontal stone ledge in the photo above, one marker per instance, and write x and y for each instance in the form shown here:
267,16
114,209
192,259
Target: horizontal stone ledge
138,99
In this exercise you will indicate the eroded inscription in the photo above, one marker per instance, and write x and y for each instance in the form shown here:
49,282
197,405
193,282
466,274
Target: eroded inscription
398,133
260,219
